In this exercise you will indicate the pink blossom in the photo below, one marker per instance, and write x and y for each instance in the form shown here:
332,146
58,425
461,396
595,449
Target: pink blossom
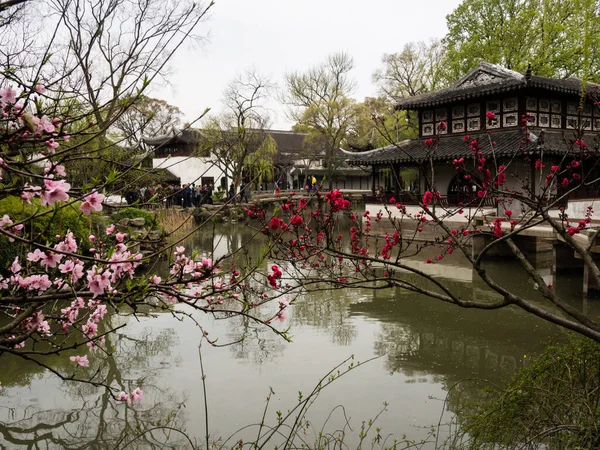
110,229
93,202
50,259
52,145
207,262
81,360
38,282
120,236
15,267
155,279
90,329
55,191
68,244
8,95
122,397
98,282
137,394
40,89
281,315
45,124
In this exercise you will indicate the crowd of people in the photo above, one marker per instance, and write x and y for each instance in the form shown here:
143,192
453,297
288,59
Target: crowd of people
192,195
186,196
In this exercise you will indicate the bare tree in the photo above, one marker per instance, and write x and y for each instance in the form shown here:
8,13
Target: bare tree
147,117
320,103
115,48
238,138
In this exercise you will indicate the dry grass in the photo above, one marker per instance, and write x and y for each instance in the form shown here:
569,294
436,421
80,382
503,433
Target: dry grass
175,219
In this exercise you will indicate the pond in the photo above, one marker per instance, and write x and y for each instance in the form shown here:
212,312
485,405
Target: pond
423,351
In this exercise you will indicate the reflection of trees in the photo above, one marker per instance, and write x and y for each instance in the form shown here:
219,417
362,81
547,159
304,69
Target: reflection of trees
259,344
328,310
91,418
421,335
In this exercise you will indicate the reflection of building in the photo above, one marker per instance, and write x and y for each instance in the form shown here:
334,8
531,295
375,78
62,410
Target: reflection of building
185,154
491,105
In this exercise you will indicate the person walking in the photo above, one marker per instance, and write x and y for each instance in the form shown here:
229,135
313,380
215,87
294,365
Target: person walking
243,193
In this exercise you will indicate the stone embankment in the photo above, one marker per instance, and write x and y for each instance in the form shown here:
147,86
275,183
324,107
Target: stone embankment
145,240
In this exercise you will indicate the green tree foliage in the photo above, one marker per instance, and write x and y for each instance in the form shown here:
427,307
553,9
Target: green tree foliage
415,70
551,403
48,223
377,124
559,38
320,103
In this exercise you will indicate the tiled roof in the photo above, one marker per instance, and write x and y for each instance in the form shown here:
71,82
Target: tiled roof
185,136
489,79
498,143
288,142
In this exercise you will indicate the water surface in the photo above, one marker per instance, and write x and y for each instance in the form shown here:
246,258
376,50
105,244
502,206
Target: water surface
423,349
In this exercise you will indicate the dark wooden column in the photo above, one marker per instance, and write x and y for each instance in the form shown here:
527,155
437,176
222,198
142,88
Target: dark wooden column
373,176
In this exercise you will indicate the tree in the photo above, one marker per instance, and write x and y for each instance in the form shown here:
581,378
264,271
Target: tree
238,139
65,271
551,35
322,256
149,117
114,49
417,69
377,123
320,103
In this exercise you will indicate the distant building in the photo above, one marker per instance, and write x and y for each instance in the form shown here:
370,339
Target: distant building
183,154
491,105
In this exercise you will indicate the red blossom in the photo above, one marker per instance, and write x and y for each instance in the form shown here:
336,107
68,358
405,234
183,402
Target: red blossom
275,223
429,142
296,221
427,197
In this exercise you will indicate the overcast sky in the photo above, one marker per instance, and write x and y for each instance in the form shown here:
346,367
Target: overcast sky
278,36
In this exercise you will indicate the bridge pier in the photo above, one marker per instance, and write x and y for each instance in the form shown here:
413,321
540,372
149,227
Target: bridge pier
589,284
531,246
564,259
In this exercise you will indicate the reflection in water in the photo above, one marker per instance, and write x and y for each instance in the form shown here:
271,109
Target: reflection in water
78,415
329,311
426,348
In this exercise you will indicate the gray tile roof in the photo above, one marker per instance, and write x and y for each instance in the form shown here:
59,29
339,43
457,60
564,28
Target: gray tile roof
288,142
498,143
489,79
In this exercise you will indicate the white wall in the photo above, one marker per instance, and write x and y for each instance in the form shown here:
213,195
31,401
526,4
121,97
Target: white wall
413,210
189,169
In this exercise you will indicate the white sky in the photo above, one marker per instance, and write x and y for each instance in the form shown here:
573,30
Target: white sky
278,36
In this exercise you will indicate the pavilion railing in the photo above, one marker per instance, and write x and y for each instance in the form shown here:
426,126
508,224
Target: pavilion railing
445,201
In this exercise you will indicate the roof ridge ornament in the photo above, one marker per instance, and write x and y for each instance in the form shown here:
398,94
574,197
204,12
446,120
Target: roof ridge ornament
528,73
